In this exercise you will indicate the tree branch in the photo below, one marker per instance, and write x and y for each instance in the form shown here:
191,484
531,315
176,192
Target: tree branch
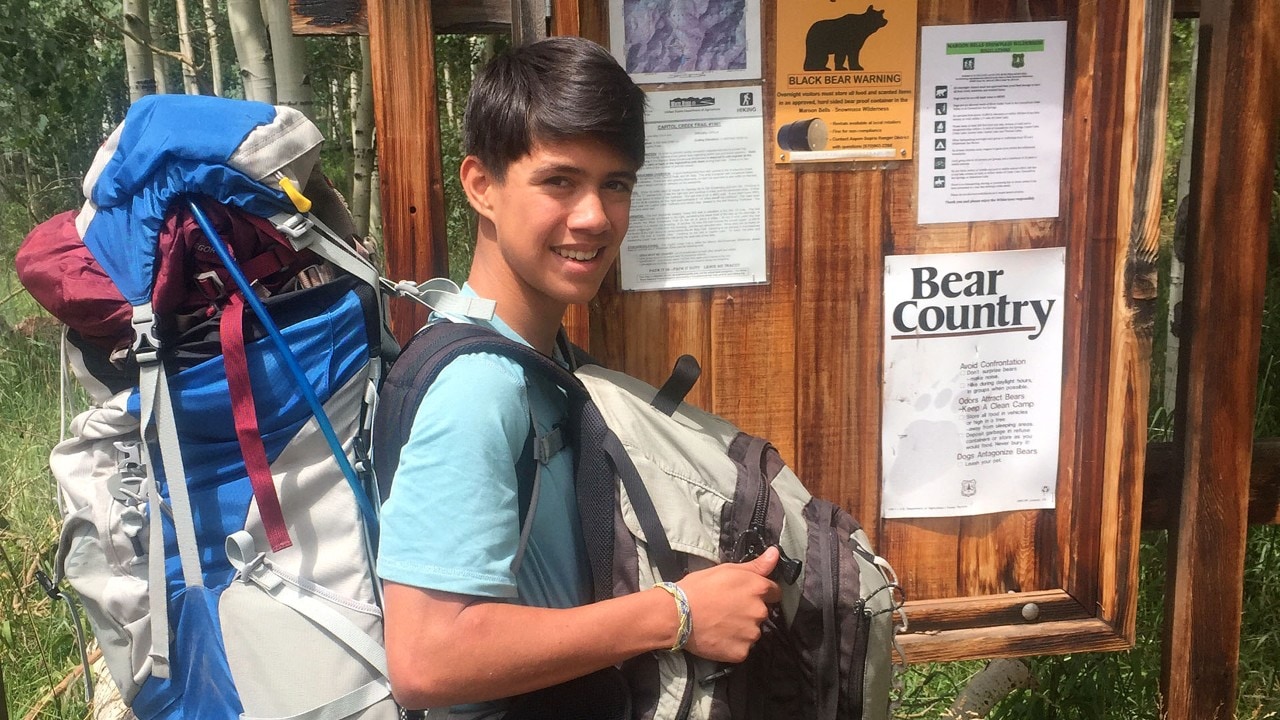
124,30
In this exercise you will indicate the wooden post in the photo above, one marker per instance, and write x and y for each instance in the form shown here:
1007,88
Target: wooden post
1238,102
402,44
528,21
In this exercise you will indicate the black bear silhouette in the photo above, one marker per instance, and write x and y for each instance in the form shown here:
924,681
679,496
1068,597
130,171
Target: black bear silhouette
842,37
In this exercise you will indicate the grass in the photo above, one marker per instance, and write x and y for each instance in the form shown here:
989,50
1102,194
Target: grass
37,648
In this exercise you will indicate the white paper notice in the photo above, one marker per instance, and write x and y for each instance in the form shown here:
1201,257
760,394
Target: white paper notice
973,382
991,137
697,213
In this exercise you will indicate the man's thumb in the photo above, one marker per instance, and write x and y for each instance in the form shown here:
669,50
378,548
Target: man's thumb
764,564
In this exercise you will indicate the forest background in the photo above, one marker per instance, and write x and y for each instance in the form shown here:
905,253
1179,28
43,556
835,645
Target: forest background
69,70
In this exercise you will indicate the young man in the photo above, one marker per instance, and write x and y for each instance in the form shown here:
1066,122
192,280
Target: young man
554,133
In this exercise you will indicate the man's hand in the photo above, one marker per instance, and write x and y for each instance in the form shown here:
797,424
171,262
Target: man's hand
727,604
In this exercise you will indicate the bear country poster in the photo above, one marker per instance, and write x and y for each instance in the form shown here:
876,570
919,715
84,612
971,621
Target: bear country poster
972,382
846,79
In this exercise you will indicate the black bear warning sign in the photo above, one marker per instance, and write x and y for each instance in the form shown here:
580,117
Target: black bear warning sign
845,80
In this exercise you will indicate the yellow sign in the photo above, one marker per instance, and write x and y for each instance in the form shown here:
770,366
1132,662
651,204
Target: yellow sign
846,79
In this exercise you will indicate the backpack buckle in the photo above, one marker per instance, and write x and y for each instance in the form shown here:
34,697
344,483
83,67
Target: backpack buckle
145,346
296,225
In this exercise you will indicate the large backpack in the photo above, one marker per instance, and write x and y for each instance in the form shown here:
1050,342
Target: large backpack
664,489
216,518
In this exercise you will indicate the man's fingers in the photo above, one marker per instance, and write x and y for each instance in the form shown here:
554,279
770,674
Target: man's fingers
764,564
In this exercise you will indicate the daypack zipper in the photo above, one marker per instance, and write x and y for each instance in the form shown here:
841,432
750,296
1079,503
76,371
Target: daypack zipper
857,673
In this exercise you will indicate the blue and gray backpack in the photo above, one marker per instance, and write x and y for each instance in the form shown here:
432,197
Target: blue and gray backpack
230,334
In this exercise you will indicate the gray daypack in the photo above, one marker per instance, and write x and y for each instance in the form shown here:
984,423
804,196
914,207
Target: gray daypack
664,489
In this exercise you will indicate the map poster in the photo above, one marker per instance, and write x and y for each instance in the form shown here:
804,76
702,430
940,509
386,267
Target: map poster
991,133
972,382
697,212
663,41
846,80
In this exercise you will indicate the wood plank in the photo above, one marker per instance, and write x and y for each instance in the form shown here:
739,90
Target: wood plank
1162,486
329,17
934,616
565,16
1186,8
1049,638
1134,303
350,17
998,553
753,328
402,46
925,551
837,324
1237,109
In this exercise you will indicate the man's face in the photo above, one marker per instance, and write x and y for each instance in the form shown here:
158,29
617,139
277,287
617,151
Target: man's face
559,217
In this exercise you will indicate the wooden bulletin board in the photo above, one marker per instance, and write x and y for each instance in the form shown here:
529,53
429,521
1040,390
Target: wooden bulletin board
798,360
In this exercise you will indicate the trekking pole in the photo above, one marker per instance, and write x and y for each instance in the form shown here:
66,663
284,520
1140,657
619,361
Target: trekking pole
290,361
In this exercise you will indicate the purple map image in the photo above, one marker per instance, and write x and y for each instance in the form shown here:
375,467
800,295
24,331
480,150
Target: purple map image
667,36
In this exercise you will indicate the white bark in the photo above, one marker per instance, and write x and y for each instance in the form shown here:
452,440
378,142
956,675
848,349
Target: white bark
253,50
159,63
1172,345
215,54
375,209
448,95
991,685
289,56
137,55
190,85
362,145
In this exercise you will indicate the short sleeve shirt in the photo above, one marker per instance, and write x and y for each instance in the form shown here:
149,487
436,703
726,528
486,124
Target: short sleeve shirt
451,522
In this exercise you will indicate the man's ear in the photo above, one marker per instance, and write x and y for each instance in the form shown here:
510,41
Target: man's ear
477,183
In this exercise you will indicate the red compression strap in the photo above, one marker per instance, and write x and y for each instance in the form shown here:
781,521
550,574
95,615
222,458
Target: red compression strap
231,327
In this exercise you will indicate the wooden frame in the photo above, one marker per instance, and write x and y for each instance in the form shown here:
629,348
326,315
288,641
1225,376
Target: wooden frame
798,361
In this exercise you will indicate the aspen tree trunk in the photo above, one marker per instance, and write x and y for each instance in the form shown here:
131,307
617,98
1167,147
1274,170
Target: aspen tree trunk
253,50
289,56
215,54
362,188
487,45
375,208
448,94
137,55
1177,266
190,85
159,63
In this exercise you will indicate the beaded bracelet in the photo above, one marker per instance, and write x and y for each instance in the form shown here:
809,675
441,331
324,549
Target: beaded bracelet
686,618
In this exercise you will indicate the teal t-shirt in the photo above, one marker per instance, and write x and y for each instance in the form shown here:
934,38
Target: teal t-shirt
451,520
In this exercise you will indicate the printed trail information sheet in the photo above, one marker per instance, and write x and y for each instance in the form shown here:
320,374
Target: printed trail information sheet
991,134
697,213
973,382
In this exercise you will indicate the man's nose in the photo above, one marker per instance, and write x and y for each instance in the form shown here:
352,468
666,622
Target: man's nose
588,214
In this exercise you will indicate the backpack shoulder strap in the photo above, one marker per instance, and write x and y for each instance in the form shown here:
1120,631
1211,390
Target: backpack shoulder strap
420,363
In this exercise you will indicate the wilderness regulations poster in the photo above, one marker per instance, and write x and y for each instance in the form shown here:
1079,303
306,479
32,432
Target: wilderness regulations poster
846,79
972,382
991,133
697,213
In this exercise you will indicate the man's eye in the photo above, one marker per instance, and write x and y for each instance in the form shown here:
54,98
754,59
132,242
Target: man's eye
619,186
557,181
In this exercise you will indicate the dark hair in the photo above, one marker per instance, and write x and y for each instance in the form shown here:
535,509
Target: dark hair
556,89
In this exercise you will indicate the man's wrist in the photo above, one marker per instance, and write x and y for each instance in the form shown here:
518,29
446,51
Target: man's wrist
684,625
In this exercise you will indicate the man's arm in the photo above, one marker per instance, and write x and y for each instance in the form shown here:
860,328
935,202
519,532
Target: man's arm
444,649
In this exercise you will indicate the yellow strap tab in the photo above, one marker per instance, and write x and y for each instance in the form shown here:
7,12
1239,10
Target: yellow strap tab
300,201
